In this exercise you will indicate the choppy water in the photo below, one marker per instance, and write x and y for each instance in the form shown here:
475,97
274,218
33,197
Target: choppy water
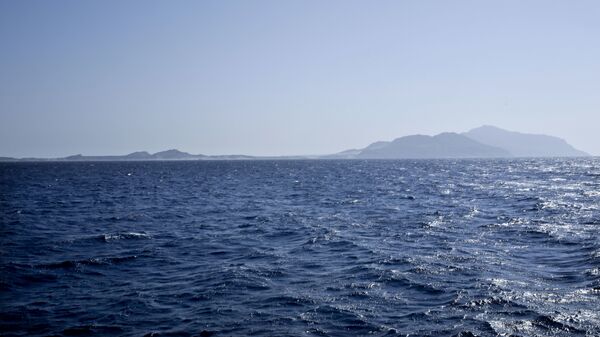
301,248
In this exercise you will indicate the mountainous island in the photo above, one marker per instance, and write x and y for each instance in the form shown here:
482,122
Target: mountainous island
444,145
482,142
522,144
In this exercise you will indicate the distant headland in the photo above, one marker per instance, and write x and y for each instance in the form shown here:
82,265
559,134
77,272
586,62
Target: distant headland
482,142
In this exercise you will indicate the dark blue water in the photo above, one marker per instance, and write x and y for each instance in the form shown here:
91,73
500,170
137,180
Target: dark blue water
301,248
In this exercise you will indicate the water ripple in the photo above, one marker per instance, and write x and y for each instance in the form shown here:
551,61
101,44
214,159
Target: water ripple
325,248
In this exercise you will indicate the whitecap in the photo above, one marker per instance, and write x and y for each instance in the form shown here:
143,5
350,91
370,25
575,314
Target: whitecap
125,236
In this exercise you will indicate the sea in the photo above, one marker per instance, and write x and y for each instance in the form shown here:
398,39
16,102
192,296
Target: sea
507,247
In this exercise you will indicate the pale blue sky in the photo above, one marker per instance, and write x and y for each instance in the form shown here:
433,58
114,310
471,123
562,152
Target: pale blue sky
290,77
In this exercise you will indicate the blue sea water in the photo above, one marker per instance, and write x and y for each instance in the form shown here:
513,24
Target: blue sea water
301,248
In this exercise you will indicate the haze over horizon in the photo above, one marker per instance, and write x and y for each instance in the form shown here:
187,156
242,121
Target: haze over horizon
290,78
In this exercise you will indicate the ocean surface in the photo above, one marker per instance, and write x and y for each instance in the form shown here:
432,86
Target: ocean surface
301,248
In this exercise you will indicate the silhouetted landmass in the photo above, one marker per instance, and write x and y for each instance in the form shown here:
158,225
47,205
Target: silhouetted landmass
143,155
444,145
348,154
522,144
166,155
482,142
175,154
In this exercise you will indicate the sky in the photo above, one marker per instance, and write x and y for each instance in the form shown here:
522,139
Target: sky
290,77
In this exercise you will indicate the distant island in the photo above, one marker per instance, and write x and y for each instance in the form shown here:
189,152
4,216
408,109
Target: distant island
524,145
444,145
482,142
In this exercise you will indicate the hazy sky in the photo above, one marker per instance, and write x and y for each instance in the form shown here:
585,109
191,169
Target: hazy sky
290,77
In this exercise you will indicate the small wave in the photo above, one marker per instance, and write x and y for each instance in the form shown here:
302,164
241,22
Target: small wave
107,237
339,318
288,300
71,264
92,329
123,236
539,325
398,281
